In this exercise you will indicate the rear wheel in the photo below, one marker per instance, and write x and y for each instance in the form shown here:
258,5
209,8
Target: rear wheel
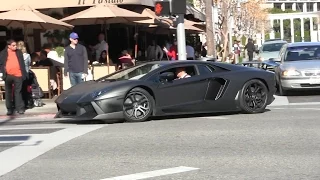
138,105
253,97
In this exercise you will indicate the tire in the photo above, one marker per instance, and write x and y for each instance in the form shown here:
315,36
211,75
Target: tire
253,97
137,105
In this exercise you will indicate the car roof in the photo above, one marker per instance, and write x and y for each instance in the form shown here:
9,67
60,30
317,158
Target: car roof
178,62
214,63
274,42
297,44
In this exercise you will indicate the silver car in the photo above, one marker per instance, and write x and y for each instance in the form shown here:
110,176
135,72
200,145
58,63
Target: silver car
299,67
271,49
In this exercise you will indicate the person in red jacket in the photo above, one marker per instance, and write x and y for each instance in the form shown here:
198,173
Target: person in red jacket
172,52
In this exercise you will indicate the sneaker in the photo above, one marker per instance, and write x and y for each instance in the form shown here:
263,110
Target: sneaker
20,112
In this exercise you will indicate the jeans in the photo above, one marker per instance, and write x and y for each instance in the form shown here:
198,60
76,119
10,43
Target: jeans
250,54
18,102
75,78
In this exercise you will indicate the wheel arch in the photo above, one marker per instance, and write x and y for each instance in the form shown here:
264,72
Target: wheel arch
263,81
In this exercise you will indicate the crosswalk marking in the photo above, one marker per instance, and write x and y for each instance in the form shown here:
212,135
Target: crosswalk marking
37,145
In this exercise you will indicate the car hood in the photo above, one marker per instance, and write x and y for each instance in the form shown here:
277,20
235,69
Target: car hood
268,55
86,92
301,65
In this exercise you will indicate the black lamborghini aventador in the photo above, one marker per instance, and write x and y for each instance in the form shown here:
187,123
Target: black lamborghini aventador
153,89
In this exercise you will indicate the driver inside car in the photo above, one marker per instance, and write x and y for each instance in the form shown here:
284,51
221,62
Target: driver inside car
181,73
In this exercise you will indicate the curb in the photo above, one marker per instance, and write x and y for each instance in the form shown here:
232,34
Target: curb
36,117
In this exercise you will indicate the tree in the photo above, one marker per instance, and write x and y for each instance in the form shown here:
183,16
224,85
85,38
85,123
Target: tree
250,18
211,47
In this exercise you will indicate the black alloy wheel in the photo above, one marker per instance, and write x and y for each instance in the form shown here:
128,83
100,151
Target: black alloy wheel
138,105
254,97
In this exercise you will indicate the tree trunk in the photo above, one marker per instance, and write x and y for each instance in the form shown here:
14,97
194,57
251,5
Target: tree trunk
210,29
224,29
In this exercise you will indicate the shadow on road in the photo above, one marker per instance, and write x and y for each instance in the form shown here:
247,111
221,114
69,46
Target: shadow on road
158,118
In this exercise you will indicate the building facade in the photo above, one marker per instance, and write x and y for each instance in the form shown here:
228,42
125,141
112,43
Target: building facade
295,5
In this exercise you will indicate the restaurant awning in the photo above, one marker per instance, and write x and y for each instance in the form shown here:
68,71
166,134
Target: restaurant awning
45,4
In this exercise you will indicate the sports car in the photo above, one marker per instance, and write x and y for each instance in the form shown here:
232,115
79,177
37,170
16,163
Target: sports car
154,89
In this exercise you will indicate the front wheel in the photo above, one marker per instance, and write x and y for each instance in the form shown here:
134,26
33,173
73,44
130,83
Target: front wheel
138,105
253,97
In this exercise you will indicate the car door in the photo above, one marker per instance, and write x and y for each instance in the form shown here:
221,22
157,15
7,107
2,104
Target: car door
182,95
216,99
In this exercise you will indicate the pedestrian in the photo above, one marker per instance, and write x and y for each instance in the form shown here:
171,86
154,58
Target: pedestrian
14,73
76,60
250,49
101,46
190,51
173,51
27,62
154,52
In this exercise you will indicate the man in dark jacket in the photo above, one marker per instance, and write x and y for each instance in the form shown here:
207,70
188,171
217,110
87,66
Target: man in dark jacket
14,73
75,60
250,48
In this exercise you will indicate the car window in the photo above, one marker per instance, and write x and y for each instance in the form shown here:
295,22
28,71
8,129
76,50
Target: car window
301,53
181,72
272,47
203,69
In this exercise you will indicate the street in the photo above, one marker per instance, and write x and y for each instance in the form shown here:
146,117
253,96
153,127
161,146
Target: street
282,143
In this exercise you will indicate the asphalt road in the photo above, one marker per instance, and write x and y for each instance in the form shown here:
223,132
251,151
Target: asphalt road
282,143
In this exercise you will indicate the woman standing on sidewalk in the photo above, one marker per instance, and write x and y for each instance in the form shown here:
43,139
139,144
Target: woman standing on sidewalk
27,61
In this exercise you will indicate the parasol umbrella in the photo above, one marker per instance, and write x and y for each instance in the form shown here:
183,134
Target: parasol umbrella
104,14
167,25
25,17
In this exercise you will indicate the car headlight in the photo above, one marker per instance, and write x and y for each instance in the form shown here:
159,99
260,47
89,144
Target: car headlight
291,72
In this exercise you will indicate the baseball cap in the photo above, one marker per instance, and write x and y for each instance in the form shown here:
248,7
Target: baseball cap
74,35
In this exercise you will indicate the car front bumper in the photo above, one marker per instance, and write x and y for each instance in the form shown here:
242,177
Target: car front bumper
300,83
105,109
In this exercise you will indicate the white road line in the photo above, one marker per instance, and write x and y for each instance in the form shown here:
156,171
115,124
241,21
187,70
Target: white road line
213,117
303,104
316,109
49,126
17,156
151,174
279,101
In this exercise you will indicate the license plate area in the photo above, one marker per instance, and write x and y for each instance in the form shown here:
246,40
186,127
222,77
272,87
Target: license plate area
315,80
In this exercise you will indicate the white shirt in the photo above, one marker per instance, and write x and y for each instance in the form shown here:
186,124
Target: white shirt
102,46
190,52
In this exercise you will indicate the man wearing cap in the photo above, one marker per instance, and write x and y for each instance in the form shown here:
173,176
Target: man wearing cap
75,60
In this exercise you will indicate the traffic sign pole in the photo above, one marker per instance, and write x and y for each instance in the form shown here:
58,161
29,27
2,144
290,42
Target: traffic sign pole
181,37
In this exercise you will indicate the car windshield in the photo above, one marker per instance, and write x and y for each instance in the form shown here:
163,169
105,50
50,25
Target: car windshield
272,47
132,73
300,53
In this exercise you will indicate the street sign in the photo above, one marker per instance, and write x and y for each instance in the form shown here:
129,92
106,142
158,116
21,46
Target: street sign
162,8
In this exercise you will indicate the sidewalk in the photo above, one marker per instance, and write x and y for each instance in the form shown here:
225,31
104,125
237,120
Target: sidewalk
47,111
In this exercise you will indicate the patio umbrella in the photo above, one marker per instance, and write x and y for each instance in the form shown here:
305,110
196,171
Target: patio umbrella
104,14
25,17
167,26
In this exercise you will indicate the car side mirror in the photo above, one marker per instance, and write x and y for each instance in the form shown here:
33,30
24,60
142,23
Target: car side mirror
166,77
